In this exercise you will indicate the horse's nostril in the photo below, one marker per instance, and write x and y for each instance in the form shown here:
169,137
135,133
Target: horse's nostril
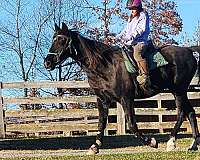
47,64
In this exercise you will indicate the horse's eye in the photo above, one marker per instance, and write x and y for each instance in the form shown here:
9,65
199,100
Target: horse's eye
55,39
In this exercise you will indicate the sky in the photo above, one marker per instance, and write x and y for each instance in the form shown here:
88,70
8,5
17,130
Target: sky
189,11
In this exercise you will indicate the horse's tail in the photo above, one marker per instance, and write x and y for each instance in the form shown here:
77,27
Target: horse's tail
197,50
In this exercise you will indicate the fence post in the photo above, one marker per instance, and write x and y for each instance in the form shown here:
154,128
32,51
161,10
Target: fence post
121,123
2,127
159,102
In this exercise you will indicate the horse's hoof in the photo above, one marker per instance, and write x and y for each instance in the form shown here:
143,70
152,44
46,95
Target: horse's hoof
193,149
194,145
153,143
171,148
93,150
171,144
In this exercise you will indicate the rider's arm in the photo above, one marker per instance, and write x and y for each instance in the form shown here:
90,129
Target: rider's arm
121,34
142,26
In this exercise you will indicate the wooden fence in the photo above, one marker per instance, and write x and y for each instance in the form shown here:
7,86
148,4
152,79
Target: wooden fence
152,115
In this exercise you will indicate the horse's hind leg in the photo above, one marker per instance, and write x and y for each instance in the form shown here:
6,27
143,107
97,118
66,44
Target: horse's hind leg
184,109
191,115
131,120
171,144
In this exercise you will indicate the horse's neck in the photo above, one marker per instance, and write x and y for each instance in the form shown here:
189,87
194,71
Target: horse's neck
90,52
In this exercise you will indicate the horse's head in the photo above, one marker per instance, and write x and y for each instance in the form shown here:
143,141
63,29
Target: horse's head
62,43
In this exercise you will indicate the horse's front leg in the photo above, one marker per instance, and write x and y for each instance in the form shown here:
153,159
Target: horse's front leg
171,144
103,116
129,111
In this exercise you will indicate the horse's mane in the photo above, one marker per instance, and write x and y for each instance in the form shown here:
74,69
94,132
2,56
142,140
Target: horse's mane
96,52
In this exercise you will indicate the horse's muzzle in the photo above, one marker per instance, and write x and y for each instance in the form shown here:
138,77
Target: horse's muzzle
50,62
47,64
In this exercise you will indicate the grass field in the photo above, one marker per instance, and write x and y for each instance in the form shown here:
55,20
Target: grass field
138,156
180,155
111,153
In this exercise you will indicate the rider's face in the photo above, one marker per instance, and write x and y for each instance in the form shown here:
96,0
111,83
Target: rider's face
134,12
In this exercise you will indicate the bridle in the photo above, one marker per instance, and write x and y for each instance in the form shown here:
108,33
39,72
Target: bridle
69,46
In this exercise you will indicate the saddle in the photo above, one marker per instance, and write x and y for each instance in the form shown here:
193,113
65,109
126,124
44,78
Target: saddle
152,55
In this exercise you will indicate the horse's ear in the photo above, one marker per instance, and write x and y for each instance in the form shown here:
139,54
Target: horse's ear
64,27
57,28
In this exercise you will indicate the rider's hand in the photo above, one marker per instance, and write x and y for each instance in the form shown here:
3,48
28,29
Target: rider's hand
127,37
112,39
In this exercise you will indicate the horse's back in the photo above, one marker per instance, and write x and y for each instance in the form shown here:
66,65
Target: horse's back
176,54
183,64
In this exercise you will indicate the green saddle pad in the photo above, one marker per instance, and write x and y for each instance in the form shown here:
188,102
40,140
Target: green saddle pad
130,65
154,60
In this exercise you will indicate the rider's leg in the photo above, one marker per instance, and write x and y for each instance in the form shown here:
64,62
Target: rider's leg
143,78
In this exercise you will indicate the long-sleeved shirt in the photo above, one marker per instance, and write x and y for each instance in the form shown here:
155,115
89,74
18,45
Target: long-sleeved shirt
137,30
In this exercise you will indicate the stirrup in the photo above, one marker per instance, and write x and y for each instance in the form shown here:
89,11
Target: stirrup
145,84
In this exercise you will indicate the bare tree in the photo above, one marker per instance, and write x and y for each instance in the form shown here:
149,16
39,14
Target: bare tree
196,37
62,11
185,40
109,17
20,40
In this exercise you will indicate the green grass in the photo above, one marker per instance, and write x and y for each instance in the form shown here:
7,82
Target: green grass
144,156
138,156
126,153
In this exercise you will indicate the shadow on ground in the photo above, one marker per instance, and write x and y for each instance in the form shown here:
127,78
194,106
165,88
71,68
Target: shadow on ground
76,142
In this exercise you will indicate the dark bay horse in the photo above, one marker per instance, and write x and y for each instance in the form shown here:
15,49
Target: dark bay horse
108,77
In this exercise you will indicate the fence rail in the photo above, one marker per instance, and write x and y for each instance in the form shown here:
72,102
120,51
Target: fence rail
68,122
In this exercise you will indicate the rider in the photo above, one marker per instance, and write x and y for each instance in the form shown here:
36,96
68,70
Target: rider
136,34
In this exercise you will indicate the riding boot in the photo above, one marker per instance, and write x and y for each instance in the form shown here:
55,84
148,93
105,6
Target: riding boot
143,78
